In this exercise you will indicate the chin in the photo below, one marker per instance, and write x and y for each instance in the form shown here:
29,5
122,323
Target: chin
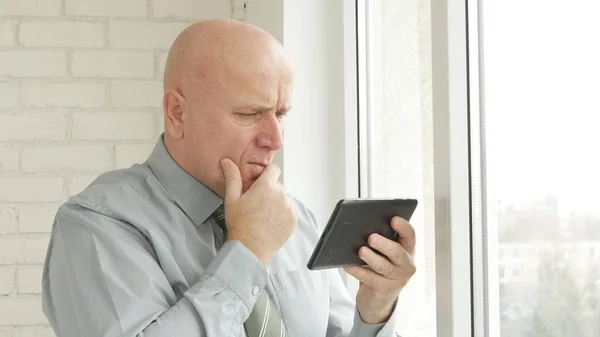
246,184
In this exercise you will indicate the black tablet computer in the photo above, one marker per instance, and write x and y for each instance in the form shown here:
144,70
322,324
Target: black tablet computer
349,226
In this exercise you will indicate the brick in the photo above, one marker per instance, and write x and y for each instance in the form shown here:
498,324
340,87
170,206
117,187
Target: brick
11,251
128,155
37,218
112,64
213,9
30,7
9,95
8,33
78,184
29,280
34,249
6,332
33,331
31,189
27,63
22,310
8,220
61,34
9,160
20,250
113,126
136,94
143,35
162,62
71,94
160,124
130,8
33,126
7,281
67,158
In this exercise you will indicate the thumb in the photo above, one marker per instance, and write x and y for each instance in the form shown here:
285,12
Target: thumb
233,180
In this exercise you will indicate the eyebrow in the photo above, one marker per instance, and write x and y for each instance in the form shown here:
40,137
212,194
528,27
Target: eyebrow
261,108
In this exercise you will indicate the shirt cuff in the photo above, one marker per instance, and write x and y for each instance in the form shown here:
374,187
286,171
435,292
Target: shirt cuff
386,329
240,270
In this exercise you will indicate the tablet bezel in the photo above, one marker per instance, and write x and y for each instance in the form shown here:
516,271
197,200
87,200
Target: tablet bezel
360,218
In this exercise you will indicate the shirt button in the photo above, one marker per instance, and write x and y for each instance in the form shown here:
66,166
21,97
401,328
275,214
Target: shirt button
255,290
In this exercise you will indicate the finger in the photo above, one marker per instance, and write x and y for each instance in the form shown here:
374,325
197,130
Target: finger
378,263
365,275
270,174
233,180
406,232
395,253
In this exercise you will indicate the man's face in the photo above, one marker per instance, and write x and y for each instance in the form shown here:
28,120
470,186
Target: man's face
240,118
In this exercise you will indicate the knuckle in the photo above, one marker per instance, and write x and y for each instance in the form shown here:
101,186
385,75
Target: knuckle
411,268
396,255
367,276
389,267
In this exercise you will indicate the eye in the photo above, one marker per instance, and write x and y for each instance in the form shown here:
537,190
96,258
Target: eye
248,116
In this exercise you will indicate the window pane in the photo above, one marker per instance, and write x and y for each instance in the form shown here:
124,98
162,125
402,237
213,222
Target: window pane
399,152
542,114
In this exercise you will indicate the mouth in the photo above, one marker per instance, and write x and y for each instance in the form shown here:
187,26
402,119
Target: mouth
256,169
261,165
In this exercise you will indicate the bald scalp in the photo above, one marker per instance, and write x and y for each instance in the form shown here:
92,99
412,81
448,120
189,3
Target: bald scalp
207,53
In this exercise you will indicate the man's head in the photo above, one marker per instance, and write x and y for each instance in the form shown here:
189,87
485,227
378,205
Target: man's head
227,86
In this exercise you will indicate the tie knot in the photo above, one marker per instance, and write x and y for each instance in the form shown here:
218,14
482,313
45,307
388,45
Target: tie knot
219,215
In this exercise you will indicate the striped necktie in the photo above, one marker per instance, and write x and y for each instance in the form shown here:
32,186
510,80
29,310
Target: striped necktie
264,320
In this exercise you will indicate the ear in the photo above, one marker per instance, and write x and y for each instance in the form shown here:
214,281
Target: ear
173,103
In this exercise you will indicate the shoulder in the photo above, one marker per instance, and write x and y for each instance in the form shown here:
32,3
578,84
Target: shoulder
113,196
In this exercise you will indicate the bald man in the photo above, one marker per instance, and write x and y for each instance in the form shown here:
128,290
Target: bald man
202,240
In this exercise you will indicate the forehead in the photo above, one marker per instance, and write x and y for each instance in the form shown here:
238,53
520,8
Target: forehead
261,84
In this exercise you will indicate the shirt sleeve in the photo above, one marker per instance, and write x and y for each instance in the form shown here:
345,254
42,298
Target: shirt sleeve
344,318
102,278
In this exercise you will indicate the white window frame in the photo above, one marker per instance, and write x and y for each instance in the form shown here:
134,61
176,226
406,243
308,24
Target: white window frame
462,277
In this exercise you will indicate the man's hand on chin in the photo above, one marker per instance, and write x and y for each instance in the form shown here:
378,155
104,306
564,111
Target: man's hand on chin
383,278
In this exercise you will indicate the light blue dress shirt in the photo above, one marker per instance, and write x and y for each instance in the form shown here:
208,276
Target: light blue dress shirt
137,253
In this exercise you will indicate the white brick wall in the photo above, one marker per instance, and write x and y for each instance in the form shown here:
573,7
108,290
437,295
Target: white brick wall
30,7
8,30
110,8
67,158
113,64
143,35
61,34
9,160
8,220
30,126
9,95
80,94
21,311
148,93
7,281
30,63
78,184
114,125
35,331
191,9
127,155
45,94
28,280
33,218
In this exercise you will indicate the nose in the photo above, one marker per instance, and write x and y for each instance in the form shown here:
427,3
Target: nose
270,133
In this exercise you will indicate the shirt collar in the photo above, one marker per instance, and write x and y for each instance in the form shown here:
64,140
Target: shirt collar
195,199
